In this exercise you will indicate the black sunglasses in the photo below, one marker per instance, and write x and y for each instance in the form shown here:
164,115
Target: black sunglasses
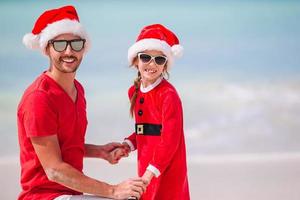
146,58
61,45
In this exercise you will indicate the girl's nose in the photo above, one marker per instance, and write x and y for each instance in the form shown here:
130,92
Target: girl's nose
152,62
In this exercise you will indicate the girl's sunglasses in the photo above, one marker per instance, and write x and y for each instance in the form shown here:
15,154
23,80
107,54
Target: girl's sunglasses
146,59
61,45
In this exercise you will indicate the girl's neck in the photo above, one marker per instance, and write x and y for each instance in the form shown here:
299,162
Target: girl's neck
146,83
150,85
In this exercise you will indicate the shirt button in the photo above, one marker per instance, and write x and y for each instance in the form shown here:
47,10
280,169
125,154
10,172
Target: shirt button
140,113
142,100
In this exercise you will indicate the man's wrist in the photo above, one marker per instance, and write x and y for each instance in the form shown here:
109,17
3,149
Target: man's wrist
102,153
111,191
93,151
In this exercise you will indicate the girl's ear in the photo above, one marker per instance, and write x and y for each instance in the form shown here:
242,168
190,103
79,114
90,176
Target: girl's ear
165,68
135,62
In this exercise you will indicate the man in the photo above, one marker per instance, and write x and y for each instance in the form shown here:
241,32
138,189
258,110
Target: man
52,119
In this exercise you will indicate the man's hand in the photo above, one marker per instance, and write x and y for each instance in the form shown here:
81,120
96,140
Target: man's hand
117,154
112,152
131,187
109,147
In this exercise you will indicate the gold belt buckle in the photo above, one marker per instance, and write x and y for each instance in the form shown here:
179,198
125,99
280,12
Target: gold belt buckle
140,129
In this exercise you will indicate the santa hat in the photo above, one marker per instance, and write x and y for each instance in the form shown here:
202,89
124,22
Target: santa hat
156,37
53,23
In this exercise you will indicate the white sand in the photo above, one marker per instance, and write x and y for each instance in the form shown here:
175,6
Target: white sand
240,177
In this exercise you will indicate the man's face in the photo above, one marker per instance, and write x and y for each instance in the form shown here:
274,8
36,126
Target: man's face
68,60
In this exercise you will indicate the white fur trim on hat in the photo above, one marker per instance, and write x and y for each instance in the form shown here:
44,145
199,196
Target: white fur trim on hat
31,41
53,30
177,50
150,44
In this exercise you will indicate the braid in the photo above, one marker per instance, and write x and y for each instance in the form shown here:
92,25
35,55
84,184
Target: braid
136,82
166,75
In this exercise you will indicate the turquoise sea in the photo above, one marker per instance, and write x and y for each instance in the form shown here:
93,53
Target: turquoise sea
239,78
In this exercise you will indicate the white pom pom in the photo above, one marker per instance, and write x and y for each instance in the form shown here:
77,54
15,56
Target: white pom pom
31,41
177,50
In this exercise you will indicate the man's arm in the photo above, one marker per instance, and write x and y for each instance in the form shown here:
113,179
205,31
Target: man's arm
48,151
103,151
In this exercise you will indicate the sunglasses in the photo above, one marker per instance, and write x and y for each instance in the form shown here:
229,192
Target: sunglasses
61,45
146,59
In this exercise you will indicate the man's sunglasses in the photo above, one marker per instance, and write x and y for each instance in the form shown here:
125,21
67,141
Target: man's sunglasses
61,45
146,59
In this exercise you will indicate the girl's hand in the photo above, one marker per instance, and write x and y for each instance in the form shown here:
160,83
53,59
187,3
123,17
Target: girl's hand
147,177
126,148
116,155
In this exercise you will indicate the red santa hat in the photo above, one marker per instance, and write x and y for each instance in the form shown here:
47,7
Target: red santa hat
156,37
53,23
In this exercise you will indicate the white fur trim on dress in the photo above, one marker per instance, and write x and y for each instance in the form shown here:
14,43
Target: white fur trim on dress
151,86
40,41
150,44
130,144
154,170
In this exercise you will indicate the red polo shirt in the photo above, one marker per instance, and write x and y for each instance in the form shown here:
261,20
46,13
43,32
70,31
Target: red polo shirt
46,109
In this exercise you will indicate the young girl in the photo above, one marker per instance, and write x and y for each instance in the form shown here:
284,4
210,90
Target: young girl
156,107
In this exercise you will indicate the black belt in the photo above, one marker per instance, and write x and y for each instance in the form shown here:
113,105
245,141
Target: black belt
148,129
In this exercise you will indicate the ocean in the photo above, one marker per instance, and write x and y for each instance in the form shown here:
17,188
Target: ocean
238,78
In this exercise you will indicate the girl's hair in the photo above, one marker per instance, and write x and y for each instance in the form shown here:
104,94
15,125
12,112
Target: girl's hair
137,83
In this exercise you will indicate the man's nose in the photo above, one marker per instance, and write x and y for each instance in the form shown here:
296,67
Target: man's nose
69,49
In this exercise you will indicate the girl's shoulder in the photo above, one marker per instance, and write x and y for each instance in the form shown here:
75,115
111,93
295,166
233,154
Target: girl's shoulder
166,86
131,91
167,89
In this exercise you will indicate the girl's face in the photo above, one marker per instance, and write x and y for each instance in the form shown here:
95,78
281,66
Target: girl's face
151,64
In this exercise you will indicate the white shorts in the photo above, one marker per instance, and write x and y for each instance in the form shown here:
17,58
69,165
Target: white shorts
79,197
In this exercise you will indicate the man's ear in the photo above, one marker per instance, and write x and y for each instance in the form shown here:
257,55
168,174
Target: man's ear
47,50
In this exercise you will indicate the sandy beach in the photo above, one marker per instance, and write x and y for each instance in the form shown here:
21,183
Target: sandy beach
227,177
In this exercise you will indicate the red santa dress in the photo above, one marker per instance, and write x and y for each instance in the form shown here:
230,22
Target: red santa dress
159,140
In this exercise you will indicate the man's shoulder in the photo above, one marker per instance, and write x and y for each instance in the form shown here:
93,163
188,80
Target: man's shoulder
39,88
40,84
79,86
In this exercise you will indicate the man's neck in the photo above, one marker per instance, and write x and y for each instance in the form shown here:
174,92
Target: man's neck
65,80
